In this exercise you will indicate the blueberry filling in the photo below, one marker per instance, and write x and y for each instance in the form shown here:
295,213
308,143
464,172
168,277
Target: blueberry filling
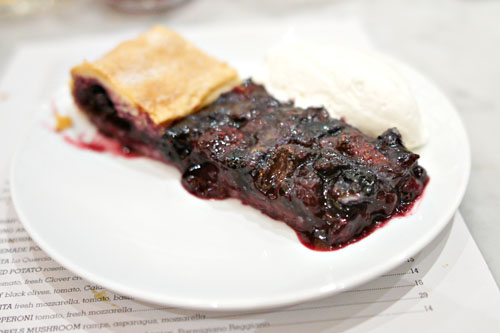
332,184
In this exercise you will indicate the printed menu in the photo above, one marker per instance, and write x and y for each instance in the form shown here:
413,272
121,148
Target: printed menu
446,287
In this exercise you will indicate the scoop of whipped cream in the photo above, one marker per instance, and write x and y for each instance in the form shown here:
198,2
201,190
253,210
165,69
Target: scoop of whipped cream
368,92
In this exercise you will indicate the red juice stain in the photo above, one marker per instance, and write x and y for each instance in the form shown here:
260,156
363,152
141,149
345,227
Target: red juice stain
101,144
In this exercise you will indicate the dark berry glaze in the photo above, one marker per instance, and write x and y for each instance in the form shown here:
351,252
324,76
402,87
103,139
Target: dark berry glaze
332,184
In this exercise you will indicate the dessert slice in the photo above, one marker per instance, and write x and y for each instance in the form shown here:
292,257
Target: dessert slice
331,183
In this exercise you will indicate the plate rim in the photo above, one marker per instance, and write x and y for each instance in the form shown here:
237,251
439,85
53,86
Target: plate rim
276,302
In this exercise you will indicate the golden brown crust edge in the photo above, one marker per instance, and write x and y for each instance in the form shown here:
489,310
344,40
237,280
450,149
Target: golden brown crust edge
160,73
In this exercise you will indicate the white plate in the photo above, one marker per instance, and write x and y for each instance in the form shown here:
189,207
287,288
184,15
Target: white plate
128,225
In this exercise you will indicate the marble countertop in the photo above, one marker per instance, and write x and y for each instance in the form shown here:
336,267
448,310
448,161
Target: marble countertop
456,43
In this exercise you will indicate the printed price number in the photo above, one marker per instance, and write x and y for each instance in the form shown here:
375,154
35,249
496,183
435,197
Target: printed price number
413,270
419,282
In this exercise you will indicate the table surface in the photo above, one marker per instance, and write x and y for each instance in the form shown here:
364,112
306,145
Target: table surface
456,43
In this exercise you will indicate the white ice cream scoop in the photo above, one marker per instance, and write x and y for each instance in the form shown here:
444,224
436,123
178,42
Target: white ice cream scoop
361,87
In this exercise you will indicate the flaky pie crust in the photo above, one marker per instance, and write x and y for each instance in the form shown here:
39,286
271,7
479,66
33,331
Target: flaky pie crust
161,74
